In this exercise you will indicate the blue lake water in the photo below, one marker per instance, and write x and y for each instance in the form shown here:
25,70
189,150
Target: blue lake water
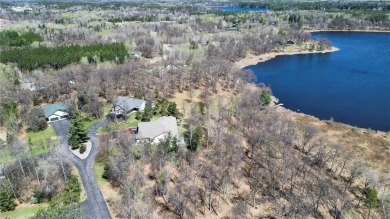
352,85
237,9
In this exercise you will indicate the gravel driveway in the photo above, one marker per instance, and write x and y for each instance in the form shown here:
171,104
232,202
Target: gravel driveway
95,206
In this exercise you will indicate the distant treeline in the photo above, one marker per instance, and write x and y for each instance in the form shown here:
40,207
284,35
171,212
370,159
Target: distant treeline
316,5
13,38
58,57
144,18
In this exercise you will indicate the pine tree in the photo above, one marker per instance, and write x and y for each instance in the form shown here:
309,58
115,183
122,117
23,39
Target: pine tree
265,98
6,202
148,113
77,132
172,110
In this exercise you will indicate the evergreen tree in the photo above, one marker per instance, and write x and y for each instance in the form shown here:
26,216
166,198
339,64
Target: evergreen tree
172,110
77,132
173,145
64,205
106,172
265,98
148,113
197,138
6,202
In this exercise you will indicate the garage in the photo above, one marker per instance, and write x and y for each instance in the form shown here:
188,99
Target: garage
56,112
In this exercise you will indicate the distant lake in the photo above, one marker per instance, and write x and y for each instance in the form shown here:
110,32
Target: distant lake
352,85
236,9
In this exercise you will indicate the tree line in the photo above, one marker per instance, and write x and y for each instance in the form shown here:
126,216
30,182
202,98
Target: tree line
13,38
317,5
61,56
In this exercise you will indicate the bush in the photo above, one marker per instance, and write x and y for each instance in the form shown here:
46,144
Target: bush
35,120
265,98
371,197
82,148
37,196
6,202
106,172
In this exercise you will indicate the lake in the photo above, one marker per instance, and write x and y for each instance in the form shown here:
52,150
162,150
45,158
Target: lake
351,86
237,9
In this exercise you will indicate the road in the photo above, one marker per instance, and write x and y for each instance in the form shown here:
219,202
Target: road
95,206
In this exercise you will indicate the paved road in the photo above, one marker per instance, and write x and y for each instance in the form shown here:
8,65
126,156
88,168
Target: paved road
95,206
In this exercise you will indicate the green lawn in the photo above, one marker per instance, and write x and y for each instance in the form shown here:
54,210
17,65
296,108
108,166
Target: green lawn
121,124
37,143
23,211
98,169
42,141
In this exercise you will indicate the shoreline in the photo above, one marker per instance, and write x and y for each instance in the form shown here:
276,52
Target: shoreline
251,59
363,31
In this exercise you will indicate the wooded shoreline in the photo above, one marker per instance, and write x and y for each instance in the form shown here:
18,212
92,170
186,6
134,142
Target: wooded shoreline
251,59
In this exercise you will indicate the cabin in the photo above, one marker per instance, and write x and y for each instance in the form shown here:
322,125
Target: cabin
157,130
56,112
125,105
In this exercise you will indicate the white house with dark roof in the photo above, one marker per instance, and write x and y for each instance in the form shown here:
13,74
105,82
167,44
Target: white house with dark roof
56,111
125,105
157,130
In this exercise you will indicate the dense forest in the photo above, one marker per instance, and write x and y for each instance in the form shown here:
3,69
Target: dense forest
13,38
237,155
58,57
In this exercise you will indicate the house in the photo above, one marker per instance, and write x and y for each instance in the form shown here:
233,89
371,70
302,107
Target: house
157,130
56,111
125,105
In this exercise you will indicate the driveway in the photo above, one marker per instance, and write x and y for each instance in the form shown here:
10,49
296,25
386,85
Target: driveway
95,206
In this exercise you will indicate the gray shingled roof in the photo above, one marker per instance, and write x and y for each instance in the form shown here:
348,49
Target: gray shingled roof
128,103
152,129
48,110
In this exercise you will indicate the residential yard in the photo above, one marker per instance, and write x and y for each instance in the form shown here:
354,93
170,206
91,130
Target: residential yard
89,122
42,141
36,143
120,124
23,211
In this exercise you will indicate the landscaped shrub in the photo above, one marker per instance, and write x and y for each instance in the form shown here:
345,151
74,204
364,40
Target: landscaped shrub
83,148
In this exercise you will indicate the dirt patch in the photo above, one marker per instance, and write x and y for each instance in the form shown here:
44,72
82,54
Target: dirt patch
3,134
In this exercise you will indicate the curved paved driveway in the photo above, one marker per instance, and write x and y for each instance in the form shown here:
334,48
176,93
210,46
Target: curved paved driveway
95,206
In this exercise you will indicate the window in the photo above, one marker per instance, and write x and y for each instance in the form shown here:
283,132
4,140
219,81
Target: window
54,119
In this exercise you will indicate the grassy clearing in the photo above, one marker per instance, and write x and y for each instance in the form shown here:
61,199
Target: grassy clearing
42,140
23,211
